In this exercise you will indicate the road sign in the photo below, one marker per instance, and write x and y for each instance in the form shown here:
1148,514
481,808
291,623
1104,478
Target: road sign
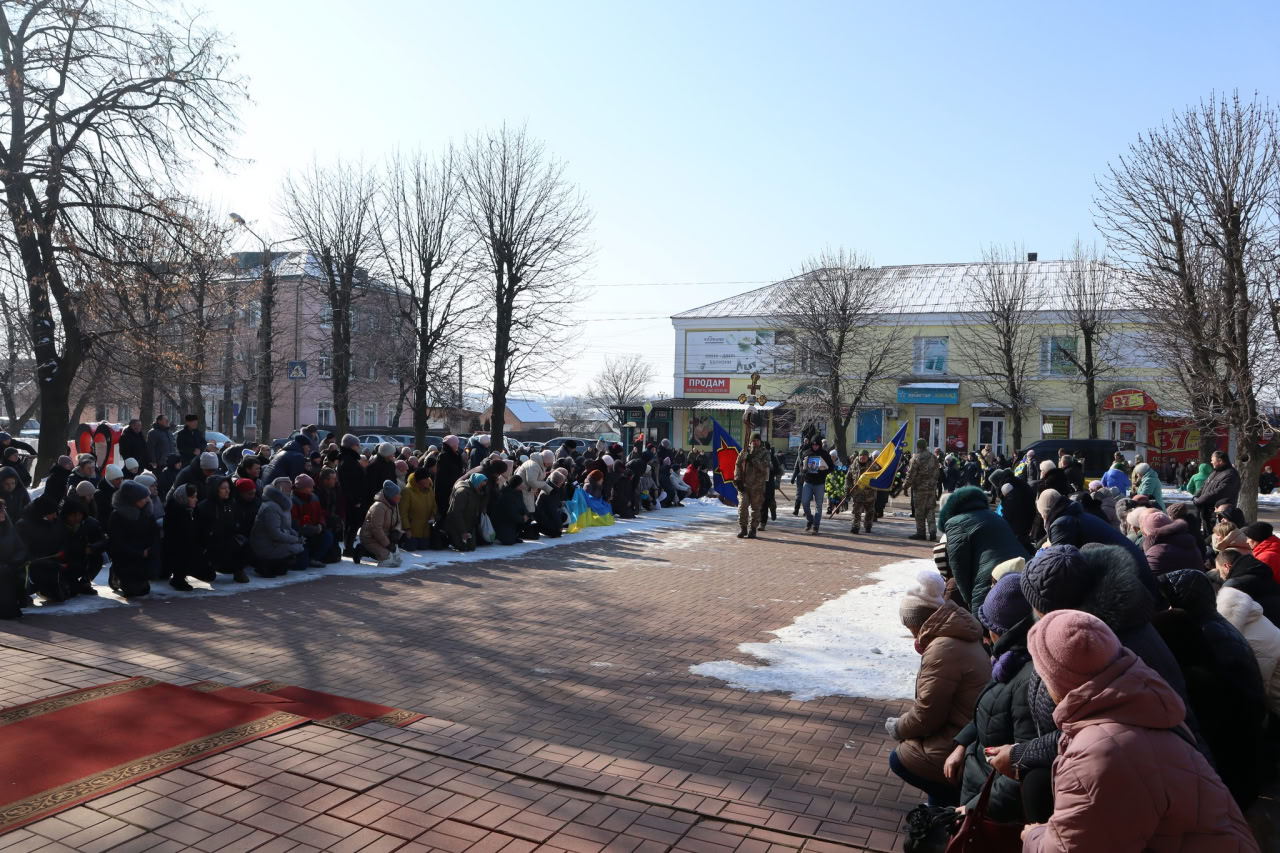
648,407
297,370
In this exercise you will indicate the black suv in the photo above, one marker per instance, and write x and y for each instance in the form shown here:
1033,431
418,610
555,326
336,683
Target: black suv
1095,454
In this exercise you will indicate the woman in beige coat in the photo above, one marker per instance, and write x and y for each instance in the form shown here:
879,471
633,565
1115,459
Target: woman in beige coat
954,668
382,528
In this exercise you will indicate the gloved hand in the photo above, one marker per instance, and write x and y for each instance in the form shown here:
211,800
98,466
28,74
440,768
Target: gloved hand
891,726
311,529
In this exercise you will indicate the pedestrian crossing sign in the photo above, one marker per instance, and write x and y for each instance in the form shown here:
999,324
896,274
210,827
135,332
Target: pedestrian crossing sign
297,370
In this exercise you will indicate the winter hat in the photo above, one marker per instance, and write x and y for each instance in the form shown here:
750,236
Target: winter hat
4,436
999,477
85,490
1095,485
402,467
477,480
1016,565
607,460
1069,647
922,600
246,486
85,459
1004,606
391,489
145,479
548,458
450,441
1046,466
303,481
1153,521
1045,501
386,449
283,484
209,461
1057,577
1258,531
557,477
66,462
1134,518
1140,471
922,444
131,464
131,491
483,440
351,441
112,472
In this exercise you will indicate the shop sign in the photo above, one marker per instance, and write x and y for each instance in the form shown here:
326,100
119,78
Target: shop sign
731,351
706,385
939,395
1129,400
1061,426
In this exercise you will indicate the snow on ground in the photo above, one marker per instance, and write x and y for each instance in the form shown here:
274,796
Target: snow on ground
1271,500
700,510
853,645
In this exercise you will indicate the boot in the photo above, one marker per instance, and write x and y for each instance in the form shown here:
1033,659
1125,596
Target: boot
853,529
317,564
868,527
808,525
751,535
349,553
180,584
240,576
742,534
933,537
87,588
920,537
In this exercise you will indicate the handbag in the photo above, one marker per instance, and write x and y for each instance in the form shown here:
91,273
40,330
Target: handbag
929,829
487,533
978,834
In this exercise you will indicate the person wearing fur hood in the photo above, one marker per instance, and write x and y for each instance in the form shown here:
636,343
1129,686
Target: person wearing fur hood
1263,637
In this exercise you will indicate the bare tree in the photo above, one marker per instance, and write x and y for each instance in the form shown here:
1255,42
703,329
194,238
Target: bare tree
102,103
836,335
1197,204
624,380
573,417
1089,301
16,372
997,339
332,213
424,248
530,225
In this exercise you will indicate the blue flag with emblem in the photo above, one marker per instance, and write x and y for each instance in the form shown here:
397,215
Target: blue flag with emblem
886,465
724,456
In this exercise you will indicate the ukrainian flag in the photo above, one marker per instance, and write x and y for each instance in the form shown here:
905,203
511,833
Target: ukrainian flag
886,465
586,511
724,455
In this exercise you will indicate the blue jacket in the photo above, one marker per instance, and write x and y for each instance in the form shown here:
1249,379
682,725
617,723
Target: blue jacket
289,462
1069,524
1114,478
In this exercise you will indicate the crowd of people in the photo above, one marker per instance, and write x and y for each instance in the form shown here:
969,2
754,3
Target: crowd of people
1104,662
176,509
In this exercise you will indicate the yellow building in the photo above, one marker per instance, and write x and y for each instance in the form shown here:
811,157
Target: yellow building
719,345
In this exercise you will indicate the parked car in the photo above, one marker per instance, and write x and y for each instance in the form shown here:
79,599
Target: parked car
1095,454
555,443
221,441
369,442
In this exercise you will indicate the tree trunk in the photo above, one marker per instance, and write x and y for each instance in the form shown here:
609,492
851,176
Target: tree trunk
1250,457
1090,386
147,397
265,335
244,412
502,341
197,404
1017,429
1208,444
228,364
340,338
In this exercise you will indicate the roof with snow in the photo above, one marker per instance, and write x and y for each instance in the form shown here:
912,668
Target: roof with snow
909,289
527,411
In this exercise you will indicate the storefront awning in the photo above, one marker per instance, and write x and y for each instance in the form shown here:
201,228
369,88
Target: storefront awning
735,406
985,405
946,393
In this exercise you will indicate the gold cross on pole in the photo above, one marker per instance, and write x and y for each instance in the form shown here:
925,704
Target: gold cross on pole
754,387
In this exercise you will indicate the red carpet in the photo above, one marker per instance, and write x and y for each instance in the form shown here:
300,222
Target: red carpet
58,752
337,711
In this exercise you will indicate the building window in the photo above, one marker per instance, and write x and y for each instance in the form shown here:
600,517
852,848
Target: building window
1056,355
251,316
324,414
371,414
325,366
870,426
394,373
371,371
210,412
124,414
391,411
930,356
353,414
355,319
251,415
372,320
326,317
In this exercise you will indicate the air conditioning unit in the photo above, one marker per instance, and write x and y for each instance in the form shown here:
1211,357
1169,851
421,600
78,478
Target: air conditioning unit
891,411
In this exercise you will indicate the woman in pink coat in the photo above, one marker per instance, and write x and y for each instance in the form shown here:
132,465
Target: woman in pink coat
1128,777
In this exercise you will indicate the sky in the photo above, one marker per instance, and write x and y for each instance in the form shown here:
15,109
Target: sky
720,144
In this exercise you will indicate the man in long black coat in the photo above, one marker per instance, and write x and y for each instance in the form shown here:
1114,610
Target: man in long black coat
351,480
449,468
133,444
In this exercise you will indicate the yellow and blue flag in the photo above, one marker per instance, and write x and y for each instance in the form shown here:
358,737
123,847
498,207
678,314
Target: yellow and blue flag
586,511
886,465
724,456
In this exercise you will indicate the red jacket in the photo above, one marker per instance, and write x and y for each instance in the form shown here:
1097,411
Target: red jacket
1268,551
691,480
309,511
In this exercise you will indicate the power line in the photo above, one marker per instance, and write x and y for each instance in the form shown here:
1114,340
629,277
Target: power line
681,283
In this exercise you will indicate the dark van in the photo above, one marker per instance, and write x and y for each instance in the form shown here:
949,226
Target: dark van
1096,454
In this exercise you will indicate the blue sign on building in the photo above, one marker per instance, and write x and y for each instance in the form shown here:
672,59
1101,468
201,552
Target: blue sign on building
944,393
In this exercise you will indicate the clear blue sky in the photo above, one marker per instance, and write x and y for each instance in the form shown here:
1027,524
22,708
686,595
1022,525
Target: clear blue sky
727,141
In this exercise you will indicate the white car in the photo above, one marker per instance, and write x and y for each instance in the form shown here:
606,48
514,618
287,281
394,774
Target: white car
369,442
221,441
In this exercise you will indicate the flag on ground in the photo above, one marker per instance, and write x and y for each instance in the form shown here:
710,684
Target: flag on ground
886,465
586,511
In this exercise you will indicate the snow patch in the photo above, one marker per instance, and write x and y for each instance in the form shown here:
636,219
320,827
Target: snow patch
853,645
1179,496
412,561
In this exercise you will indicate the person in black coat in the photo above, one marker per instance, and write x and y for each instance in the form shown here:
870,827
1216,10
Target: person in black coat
13,492
382,467
86,543
1222,486
198,474
352,481
190,440
1232,707
289,462
1073,471
13,560
182,551
1251,576
55,482
507,512
133,444
110,483
224,521
548,512
624,493
168,475
11,457
45,539
1068,524
448,469
132,540
1017,504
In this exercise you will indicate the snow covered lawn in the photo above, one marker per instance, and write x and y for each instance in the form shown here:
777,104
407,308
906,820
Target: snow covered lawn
413,561
1271,500
853,645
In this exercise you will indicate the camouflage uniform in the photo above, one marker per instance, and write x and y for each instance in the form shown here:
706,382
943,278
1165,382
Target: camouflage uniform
862,499
749,476
922,480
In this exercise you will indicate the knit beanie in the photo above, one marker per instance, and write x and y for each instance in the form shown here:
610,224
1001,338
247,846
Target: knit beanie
283,484
1258,531
132,491
922,599
246,486
1057,577
1016,565
351,441
1045,501
85,490
112,472
1094,485
1153,521
1140,471
246,453
66,462
450,441
607,460
402,467
386,449
1004,606
303,481
390,488
209,461
86,458
1046,466
557,477
145,479
1069,647
131,464
477,480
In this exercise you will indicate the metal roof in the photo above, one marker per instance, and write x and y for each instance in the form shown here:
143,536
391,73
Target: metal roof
908,289
527,411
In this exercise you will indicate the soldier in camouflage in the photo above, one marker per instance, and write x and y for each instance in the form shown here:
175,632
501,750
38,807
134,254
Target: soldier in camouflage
862,499
922,482
749,476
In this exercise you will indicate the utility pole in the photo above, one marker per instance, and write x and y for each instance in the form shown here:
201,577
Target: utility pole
460,406
297,327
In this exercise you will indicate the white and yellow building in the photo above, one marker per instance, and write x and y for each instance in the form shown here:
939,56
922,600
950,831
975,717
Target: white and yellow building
719,345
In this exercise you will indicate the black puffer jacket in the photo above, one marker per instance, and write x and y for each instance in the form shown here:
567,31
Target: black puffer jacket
448,470
978,540
1222,486
1001,716
18,499
55,482
1069,524
1017,504
1253,577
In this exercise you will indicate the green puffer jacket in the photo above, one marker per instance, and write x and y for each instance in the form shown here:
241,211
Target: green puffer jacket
978,540
1196,483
